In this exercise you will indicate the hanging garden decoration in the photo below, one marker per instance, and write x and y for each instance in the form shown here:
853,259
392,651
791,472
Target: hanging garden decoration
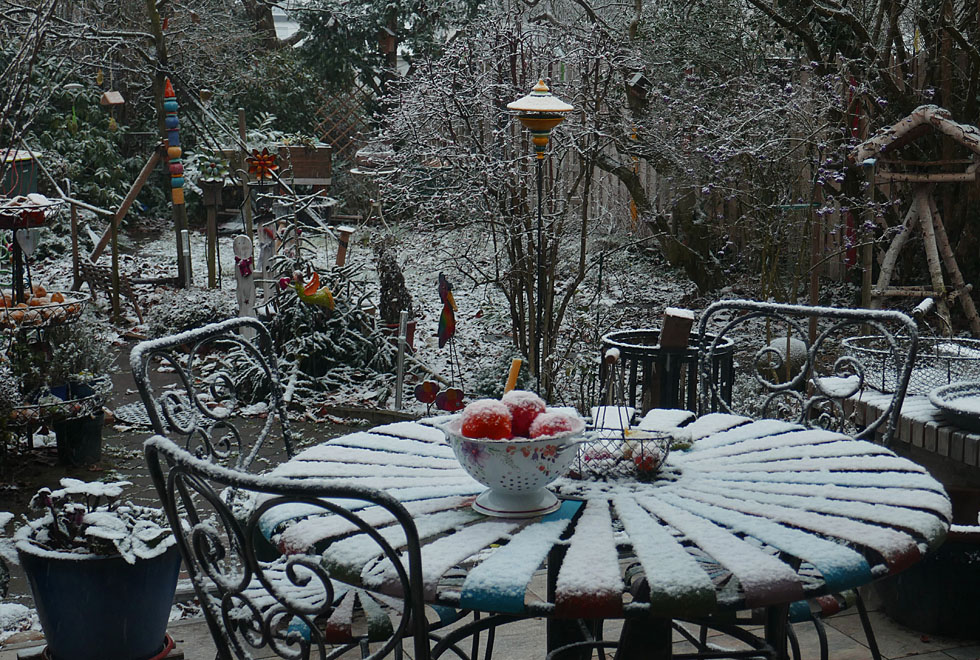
261,165
174,152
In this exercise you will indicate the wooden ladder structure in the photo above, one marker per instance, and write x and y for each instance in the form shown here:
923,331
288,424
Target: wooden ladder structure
923,214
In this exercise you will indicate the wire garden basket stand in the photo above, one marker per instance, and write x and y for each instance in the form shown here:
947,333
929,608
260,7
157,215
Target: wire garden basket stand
939,361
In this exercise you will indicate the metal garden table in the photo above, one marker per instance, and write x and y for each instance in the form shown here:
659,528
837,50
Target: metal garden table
757,514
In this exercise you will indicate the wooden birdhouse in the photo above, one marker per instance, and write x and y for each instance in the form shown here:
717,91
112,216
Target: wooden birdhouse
111,98
386,41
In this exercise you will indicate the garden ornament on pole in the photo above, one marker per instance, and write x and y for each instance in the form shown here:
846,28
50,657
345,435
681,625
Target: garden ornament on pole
540,111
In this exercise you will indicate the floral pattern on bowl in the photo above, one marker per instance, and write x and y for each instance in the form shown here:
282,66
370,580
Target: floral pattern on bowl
518,466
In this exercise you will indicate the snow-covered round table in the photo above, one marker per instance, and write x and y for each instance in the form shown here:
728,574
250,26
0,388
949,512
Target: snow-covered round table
756,514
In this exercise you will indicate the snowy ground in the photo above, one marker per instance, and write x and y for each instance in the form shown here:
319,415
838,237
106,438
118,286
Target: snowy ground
635,290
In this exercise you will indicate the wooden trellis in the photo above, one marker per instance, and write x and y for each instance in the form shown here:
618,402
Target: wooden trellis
343,120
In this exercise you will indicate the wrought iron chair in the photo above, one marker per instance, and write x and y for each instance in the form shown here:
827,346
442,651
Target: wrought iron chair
799,364
217,367
289,605
211,371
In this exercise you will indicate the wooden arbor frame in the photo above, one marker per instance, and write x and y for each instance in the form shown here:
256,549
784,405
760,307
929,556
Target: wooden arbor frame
880,152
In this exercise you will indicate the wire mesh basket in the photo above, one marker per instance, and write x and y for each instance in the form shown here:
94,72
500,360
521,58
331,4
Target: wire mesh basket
939,361
609,455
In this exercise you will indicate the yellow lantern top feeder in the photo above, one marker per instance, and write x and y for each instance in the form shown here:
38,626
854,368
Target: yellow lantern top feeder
540,111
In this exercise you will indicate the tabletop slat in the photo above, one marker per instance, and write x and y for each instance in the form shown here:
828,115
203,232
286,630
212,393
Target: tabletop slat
716,444
392,444
442,554
665,419
771,450
845,479
310,532
678,584
929,525
373,457
859,463
356,558
500,582
841,567
911,497
412,431
896,547
710,424
763,578
589,581
337,469
757,436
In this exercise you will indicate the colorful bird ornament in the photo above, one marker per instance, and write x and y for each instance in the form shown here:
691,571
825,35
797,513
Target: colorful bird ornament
310,292
451,398
447,319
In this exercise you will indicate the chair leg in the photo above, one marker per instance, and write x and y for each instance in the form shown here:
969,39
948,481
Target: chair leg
794,644
866,624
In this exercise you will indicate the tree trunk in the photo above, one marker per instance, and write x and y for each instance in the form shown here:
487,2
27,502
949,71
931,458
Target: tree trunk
699,267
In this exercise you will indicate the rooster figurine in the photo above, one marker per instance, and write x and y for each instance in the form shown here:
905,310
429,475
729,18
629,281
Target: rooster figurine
310,292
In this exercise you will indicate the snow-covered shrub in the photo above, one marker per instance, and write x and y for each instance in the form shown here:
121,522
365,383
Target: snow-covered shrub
80,351
326,349
489,381
184,309
87,518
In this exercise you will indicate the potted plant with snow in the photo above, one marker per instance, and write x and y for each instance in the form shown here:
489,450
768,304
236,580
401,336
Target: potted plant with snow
62,381
102,572
394,295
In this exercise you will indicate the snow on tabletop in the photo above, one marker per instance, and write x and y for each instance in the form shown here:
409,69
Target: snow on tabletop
589,582
763,434
616,418
499,583
274,518
841,566
406,494
305,533
898,496
412,431
678,584
763,450
386,443
713,423
894,479
349,559
331,452
341,470
891,544
882,463
764,578
443,554
664,419
924,523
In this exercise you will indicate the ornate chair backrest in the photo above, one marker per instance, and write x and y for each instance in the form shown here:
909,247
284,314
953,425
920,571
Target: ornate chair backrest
842,369
214,369
255,599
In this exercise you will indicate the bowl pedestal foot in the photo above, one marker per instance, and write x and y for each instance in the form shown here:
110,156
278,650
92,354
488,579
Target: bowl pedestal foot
502,504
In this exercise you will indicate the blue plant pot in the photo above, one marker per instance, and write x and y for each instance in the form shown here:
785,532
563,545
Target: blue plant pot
95,608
